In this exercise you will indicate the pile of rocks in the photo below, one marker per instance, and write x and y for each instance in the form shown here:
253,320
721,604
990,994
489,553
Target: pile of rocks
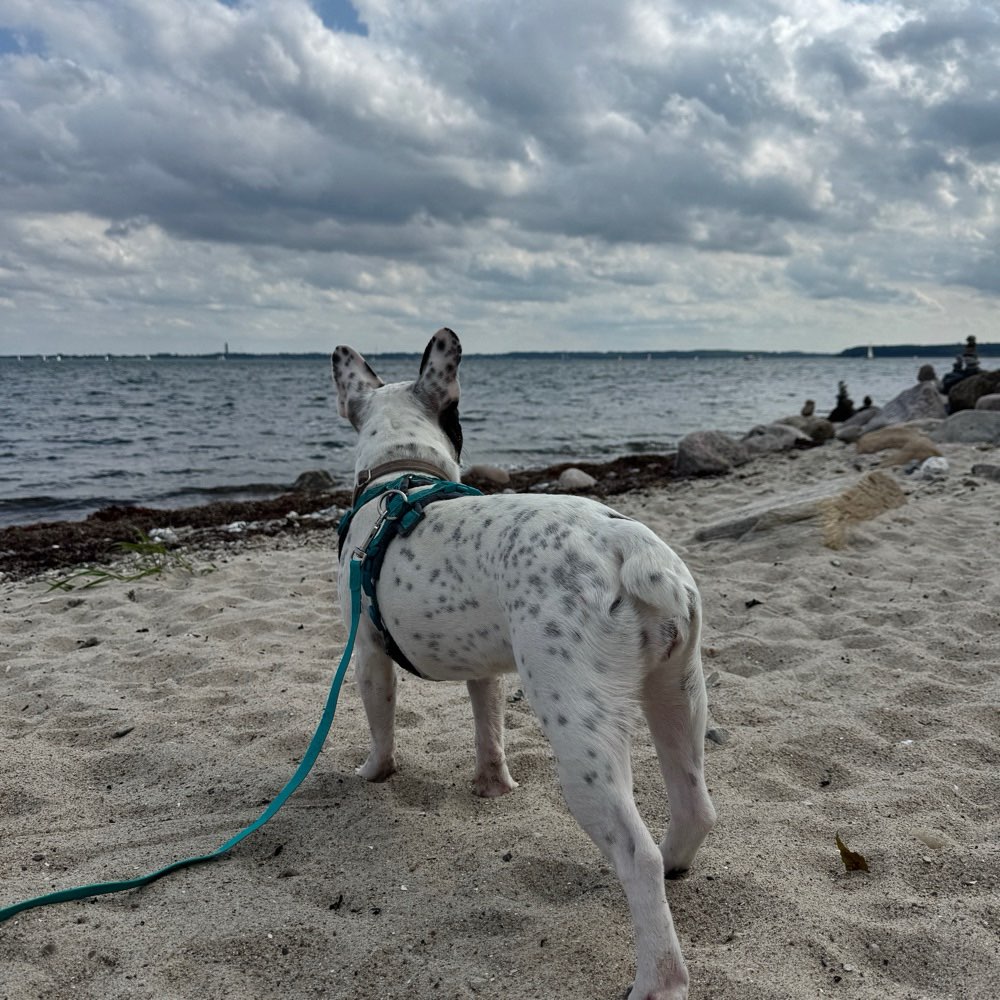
909,427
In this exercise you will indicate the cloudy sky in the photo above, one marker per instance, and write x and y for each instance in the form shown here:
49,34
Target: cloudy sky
549,174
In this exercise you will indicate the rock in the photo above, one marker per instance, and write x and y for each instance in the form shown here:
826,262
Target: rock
709,453
837,503
717,735
849,434
916,403
576,479
901,436
965,394
491,473
166,536
935,467
969,427
818,428
915,452
991,401
844,408
926,374
852,428
808,408
862,417
314,481
985,471
766,438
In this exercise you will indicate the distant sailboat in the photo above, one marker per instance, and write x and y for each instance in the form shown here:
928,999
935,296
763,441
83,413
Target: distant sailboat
871,352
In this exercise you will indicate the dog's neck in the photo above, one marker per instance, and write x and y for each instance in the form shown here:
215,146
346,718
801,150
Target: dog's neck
374,465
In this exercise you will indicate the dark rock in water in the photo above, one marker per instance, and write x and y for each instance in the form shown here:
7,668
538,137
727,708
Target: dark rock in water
919,402
966,393
808,408
926,374
708,453
314,481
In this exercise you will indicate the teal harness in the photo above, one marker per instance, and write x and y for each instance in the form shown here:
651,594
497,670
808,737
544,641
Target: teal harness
399,514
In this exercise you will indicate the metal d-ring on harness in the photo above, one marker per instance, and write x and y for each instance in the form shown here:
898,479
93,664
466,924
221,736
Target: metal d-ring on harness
398,514
400,511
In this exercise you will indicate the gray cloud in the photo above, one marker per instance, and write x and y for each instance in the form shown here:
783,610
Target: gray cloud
267,170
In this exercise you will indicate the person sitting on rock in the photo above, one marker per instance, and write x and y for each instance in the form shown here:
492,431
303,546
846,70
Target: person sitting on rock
971,356
956,374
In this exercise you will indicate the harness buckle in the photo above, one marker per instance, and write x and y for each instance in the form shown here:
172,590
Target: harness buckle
361,552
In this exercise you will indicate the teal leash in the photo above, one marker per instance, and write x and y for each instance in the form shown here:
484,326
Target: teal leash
313,751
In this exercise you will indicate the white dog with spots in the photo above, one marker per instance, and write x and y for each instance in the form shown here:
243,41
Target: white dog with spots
595,614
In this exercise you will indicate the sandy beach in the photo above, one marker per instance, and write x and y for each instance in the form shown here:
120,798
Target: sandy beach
852,692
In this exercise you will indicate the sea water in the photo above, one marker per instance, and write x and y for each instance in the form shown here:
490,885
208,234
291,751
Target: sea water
79,434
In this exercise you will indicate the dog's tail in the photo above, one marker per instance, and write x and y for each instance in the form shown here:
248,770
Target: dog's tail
654,575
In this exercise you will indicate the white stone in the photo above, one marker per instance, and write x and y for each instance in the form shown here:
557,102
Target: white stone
576,479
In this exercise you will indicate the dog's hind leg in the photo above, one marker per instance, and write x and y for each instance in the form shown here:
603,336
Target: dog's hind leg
592,753
376,680
492,777
675,706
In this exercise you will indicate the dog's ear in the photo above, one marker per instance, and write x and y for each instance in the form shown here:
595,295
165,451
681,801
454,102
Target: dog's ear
354,379
437,383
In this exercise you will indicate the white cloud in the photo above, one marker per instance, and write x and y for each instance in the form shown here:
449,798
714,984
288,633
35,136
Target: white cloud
769,174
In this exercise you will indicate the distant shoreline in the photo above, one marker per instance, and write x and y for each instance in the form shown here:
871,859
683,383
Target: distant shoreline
987,350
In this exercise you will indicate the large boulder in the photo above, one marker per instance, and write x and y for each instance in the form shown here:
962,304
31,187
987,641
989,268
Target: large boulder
852,428
766,438
905,444
862,417
966,393
969,427
919,402
709,453
883,438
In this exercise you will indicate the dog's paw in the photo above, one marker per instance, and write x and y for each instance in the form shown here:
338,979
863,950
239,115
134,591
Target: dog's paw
680,993
377,769
493,785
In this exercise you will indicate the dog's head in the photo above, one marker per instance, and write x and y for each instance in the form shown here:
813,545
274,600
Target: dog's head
405,419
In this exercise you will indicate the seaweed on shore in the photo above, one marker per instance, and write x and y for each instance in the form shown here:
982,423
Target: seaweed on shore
30,549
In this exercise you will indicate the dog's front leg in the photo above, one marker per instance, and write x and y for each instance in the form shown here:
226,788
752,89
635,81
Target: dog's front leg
376,679
492,777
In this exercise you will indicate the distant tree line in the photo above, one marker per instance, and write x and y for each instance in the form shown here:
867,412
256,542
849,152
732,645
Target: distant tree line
919,350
